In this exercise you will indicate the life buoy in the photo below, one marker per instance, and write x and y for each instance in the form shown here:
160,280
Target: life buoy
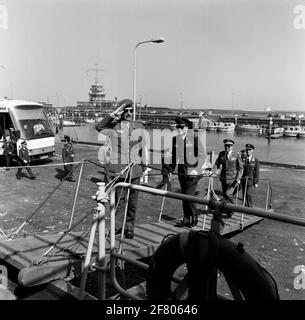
204,253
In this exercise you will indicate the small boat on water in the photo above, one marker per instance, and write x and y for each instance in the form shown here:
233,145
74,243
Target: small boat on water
90,121
212,126
249,127
68,123
276,133
292,131
225,126
302,133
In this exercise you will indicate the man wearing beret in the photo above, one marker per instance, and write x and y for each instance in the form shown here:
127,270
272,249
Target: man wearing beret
250,175
68,157
128,147
230,165
188,153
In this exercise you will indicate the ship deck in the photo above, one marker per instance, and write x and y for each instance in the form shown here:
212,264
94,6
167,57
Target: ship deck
23,252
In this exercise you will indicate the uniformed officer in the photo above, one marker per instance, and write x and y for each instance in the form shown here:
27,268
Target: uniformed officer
251,175
188,155
24,160
128,146
9,151
68,157
230,165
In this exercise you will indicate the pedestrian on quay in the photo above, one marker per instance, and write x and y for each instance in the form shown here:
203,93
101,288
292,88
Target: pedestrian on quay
230,166
250,175
128,148
24,160
189,157
68,158
9,151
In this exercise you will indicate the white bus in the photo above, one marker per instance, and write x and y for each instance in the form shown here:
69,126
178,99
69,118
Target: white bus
27,121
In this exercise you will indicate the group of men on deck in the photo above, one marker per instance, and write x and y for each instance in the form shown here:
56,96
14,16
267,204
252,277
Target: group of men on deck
126,149
236,170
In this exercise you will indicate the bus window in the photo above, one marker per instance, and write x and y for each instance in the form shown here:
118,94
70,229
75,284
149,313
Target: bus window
32,122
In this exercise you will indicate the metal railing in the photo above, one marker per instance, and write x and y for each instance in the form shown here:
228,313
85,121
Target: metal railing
217,206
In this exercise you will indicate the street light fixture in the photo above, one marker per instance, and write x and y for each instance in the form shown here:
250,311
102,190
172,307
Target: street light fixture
158,40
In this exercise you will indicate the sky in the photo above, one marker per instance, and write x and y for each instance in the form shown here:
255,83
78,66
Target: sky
243,54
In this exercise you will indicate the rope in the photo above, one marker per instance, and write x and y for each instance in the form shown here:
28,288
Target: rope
43,166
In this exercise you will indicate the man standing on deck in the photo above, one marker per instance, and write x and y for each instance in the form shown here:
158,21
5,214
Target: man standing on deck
188,154
230,165
250,175
68,157
128,148
24,160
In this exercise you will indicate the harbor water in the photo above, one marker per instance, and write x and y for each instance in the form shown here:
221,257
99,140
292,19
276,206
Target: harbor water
290,150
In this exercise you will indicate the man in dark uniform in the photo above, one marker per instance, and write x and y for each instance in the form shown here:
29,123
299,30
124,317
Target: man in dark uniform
186,146
24,160
68,157
231,170
9,151
251,175
128,147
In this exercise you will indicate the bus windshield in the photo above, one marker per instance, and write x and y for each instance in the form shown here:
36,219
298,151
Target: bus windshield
32,122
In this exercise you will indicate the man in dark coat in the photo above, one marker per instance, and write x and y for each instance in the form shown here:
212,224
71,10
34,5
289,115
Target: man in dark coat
68,157
9,151
250,175
128,147
230,166
24,160
188,154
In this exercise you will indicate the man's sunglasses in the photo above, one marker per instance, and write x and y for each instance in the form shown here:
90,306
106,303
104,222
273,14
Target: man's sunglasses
228,145
128,111
180,126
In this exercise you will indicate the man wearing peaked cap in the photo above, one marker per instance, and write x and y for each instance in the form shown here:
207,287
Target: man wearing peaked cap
250,175
188,156
230,165
182,121
249,146
127,147
68,157
67,138
24,160
228,141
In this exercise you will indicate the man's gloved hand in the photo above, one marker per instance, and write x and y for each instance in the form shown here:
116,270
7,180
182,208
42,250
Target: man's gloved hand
117,113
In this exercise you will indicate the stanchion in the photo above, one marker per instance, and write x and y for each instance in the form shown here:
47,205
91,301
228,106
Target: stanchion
241,223
76,194
98,222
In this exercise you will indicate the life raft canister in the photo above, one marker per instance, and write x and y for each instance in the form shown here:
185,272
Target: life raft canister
204,253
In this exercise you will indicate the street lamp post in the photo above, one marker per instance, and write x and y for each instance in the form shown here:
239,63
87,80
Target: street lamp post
159,40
